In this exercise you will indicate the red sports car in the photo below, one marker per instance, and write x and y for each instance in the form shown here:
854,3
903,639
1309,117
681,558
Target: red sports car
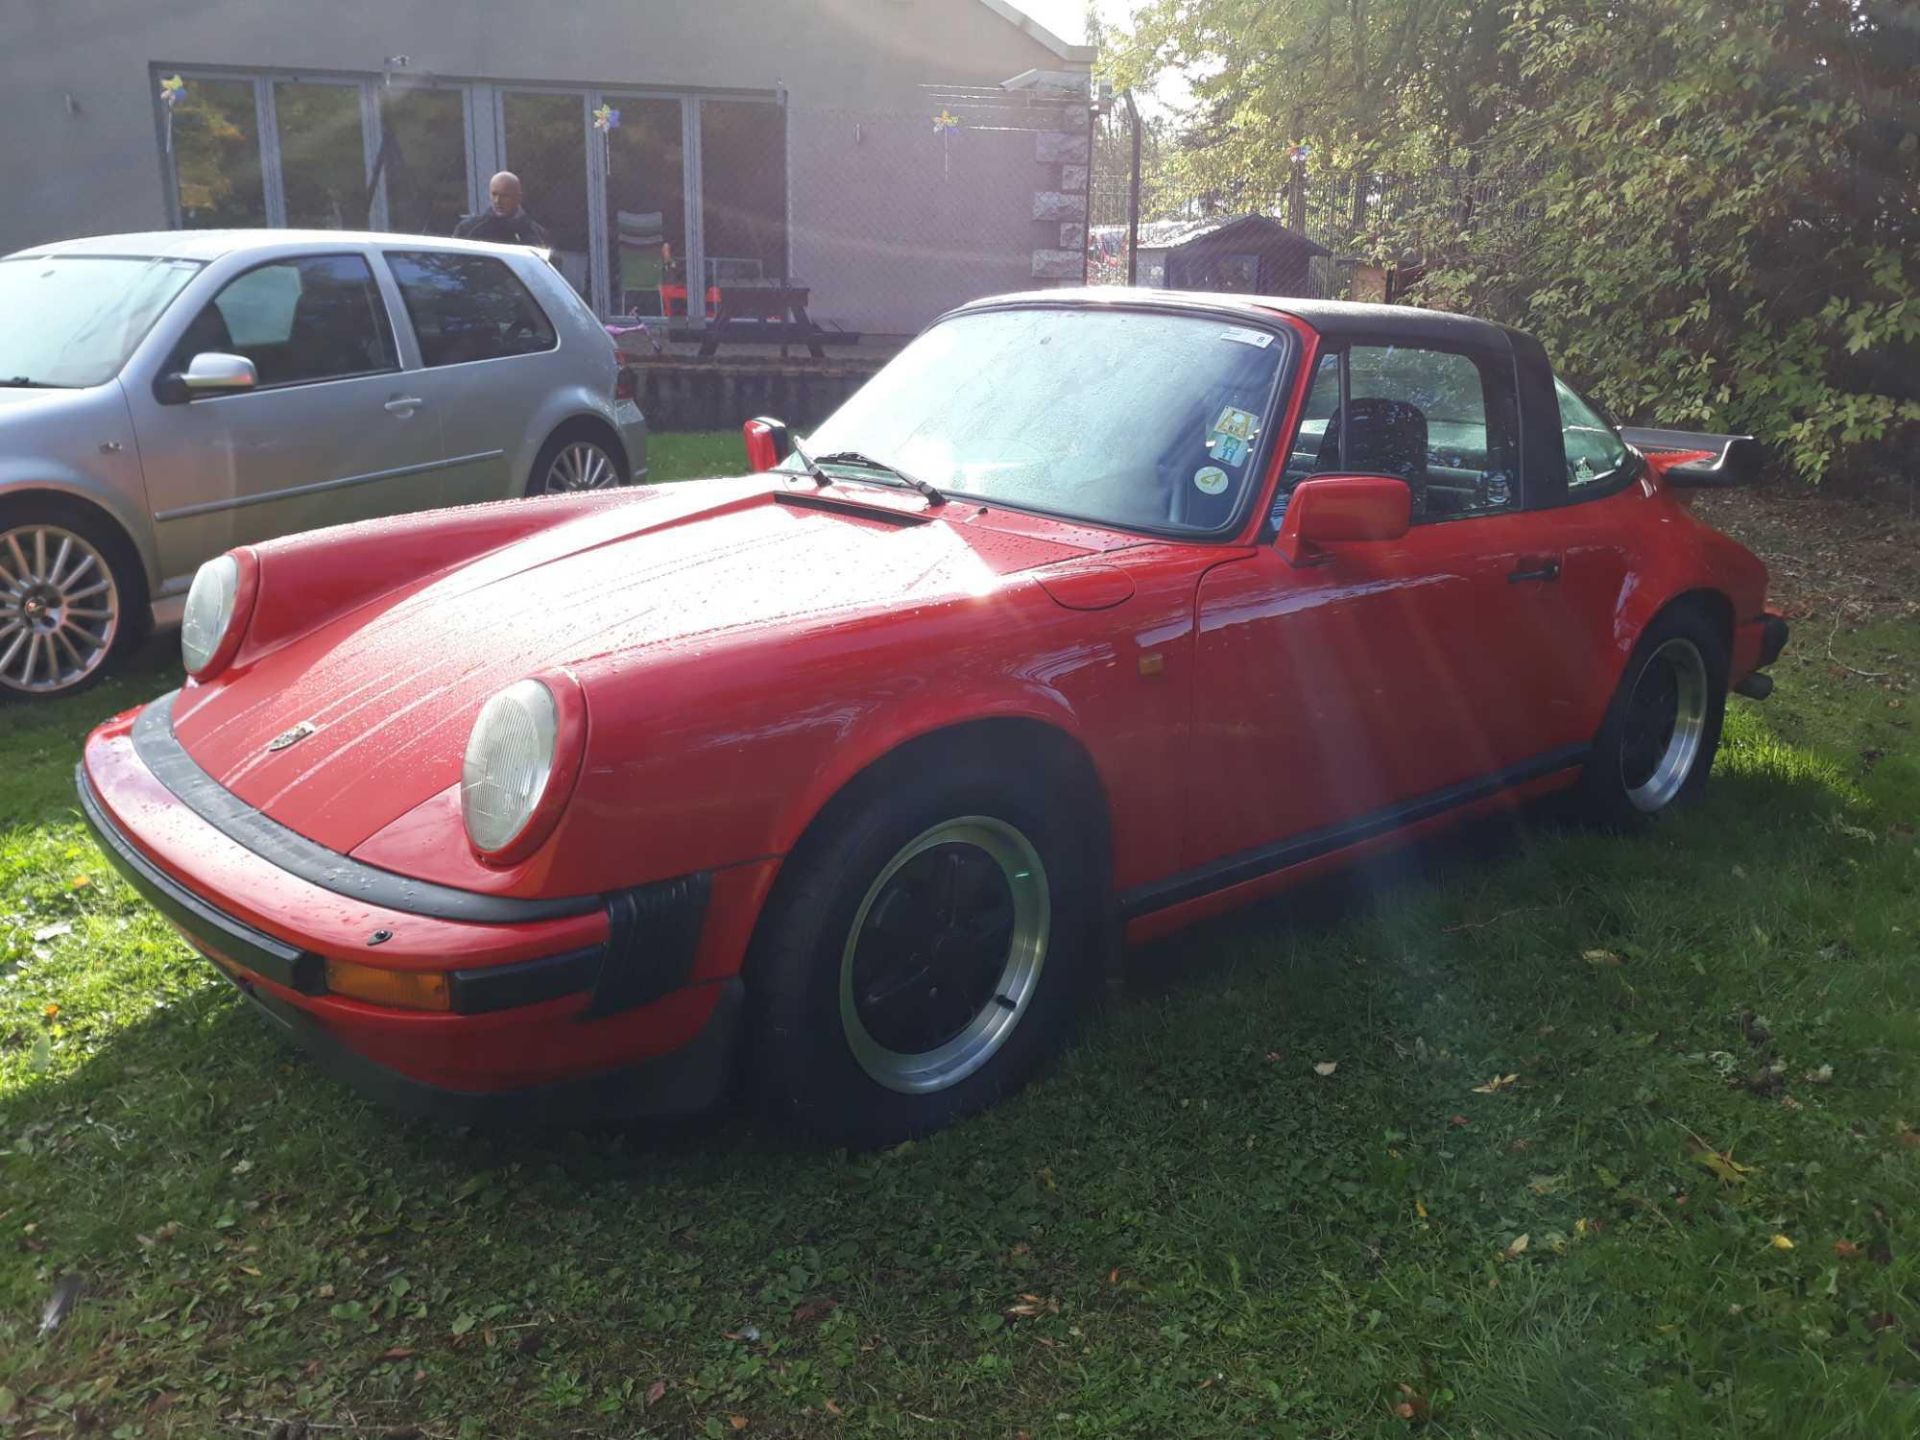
1090,615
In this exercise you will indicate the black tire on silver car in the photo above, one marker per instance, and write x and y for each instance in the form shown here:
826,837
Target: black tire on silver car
72,596
923,953
575,458
1662,728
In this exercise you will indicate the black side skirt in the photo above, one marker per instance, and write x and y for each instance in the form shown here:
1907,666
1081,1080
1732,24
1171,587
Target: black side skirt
1262,860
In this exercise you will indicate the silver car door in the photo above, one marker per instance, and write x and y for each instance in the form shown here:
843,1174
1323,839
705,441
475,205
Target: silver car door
491,362
332,430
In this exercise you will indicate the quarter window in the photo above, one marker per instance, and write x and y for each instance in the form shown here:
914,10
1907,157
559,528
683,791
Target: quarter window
319,317
1595,454
468,307
1443,421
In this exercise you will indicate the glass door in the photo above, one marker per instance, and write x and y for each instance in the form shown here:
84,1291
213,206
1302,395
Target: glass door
424,159
217,176
323,154
646,208
544,140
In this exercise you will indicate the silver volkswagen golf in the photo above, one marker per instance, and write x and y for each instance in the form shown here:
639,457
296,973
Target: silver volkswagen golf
164,397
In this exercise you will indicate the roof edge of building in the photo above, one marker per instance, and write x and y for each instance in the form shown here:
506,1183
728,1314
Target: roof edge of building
1019,19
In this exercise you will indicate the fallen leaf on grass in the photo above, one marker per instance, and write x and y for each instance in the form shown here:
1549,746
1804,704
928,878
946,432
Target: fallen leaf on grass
1495,1085
1420,1209
52,1009
1602,957
810,1312
1516,1247
80,882
52,932
1458,1120
1724,1166
1781,1242
1325,1067
1412,1405
739,1422
832,1409
397,1352
656,1391
1846,1250
1822,1076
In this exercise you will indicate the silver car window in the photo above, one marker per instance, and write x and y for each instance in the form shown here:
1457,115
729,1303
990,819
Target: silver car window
316,317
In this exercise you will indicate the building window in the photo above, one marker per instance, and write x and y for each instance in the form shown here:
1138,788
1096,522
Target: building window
216,156
647,208
423,160
323,154
743,190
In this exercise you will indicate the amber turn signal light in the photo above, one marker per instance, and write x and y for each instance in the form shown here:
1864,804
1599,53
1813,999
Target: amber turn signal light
406,989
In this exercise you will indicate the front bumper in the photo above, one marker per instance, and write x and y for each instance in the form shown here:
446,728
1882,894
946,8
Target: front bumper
606,1008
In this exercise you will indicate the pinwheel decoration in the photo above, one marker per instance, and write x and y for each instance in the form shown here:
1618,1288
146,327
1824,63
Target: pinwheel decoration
944,124
606,120
172,89
1299,153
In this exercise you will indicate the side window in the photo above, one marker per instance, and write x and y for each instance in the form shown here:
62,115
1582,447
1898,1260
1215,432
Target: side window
1444,422
319,317
1596,456
468,307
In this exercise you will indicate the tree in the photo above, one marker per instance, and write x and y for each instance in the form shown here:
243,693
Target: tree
1705,208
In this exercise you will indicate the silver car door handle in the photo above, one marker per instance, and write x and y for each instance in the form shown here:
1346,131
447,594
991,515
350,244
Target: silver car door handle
404,404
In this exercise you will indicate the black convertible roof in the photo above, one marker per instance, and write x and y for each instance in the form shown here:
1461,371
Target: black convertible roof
1344,318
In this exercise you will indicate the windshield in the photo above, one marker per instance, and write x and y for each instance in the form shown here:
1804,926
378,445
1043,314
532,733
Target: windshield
72,320
1128,418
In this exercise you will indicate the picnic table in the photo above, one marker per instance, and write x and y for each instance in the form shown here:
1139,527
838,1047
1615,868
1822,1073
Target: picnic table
762,312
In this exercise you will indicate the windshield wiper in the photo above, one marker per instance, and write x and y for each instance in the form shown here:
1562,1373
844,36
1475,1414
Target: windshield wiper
820,477
21,382
867,462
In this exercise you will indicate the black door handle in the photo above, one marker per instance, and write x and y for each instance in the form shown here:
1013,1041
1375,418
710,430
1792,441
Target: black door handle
1548,571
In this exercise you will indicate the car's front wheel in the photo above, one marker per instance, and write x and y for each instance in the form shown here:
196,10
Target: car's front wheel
921,958
68,594
1662,729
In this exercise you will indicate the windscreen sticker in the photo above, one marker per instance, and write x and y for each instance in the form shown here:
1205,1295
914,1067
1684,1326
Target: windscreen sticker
1228,450
1210,480
1259,339
1238,423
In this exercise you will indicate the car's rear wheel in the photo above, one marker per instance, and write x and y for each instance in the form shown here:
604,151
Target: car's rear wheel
921,957
69,597
571,461
1657,743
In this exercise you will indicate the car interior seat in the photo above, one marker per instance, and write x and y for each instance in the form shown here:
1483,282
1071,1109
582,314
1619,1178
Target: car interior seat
1383,437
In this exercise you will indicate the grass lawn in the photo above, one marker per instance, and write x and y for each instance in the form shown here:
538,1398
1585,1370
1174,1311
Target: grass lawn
695,455
1618,1137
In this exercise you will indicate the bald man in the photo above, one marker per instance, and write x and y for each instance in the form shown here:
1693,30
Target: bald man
506,222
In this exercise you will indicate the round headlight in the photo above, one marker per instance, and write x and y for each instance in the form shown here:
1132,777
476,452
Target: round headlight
508,763
209,612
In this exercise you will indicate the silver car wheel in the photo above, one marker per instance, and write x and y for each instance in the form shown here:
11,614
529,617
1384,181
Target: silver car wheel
944,954
581,465
1665,724
59,609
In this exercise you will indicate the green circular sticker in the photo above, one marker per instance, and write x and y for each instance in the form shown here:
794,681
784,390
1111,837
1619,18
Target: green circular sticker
1210,480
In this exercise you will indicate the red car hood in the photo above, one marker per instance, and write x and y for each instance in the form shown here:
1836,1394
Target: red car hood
393,687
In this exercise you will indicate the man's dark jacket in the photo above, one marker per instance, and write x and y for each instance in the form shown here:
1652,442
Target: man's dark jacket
518,228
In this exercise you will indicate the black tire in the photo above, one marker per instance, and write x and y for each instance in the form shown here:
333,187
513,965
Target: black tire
803,1057
1681,648
25,518
568,438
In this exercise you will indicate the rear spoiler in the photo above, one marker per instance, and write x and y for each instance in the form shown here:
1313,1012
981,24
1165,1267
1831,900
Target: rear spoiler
1695,458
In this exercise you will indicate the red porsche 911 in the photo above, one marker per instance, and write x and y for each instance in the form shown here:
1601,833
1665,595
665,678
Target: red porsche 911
1092,614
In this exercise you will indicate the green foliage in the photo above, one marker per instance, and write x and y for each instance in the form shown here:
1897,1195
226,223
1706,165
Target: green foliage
1709,210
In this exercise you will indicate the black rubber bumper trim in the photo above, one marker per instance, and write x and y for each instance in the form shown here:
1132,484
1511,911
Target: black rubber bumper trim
1773,639
1265,859
167,758
686,1082
273,959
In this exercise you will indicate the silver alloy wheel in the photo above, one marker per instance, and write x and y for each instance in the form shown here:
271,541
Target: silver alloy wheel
1666,723
581,465
1009,886
59,609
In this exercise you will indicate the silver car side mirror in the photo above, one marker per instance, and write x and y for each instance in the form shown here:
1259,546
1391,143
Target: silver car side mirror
213,373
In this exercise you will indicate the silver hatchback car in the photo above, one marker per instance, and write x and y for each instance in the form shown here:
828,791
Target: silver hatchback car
165,397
